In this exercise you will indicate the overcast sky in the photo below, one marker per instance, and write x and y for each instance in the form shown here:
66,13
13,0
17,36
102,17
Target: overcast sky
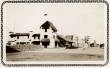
80,19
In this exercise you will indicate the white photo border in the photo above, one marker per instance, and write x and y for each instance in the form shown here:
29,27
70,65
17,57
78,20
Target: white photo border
56,1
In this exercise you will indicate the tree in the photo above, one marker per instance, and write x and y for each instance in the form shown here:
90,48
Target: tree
86,39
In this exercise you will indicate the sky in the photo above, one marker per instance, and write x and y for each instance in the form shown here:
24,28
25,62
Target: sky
69,18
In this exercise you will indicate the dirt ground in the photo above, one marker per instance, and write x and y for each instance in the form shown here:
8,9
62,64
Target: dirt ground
58,54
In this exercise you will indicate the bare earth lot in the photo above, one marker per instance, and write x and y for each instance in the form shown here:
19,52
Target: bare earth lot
58,54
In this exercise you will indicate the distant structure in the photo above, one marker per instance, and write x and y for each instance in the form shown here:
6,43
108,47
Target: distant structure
19,38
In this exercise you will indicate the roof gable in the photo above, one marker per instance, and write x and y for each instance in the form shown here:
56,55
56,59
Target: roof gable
19,34
64,39
34,35
47,25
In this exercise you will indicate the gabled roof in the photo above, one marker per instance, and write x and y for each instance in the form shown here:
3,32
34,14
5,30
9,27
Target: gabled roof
19,34
64,39
12,35
35,35
11,41
47,25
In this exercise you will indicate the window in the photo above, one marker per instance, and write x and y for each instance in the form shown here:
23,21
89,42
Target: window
17,37
22,42
28,37
11,36
17,43
45,30
34,37
27,42
45,36
9,43
54,36
38,37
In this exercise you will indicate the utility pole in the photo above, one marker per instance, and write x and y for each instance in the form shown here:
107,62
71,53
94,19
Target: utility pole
77,39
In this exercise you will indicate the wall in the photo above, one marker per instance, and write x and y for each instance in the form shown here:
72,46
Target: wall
50,36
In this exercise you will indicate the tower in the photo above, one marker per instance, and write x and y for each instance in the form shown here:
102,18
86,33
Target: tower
48,31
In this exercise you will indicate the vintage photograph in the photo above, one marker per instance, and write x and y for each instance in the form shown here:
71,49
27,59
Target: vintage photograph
54,31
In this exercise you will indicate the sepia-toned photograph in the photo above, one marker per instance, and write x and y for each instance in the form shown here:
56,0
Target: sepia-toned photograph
54,32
